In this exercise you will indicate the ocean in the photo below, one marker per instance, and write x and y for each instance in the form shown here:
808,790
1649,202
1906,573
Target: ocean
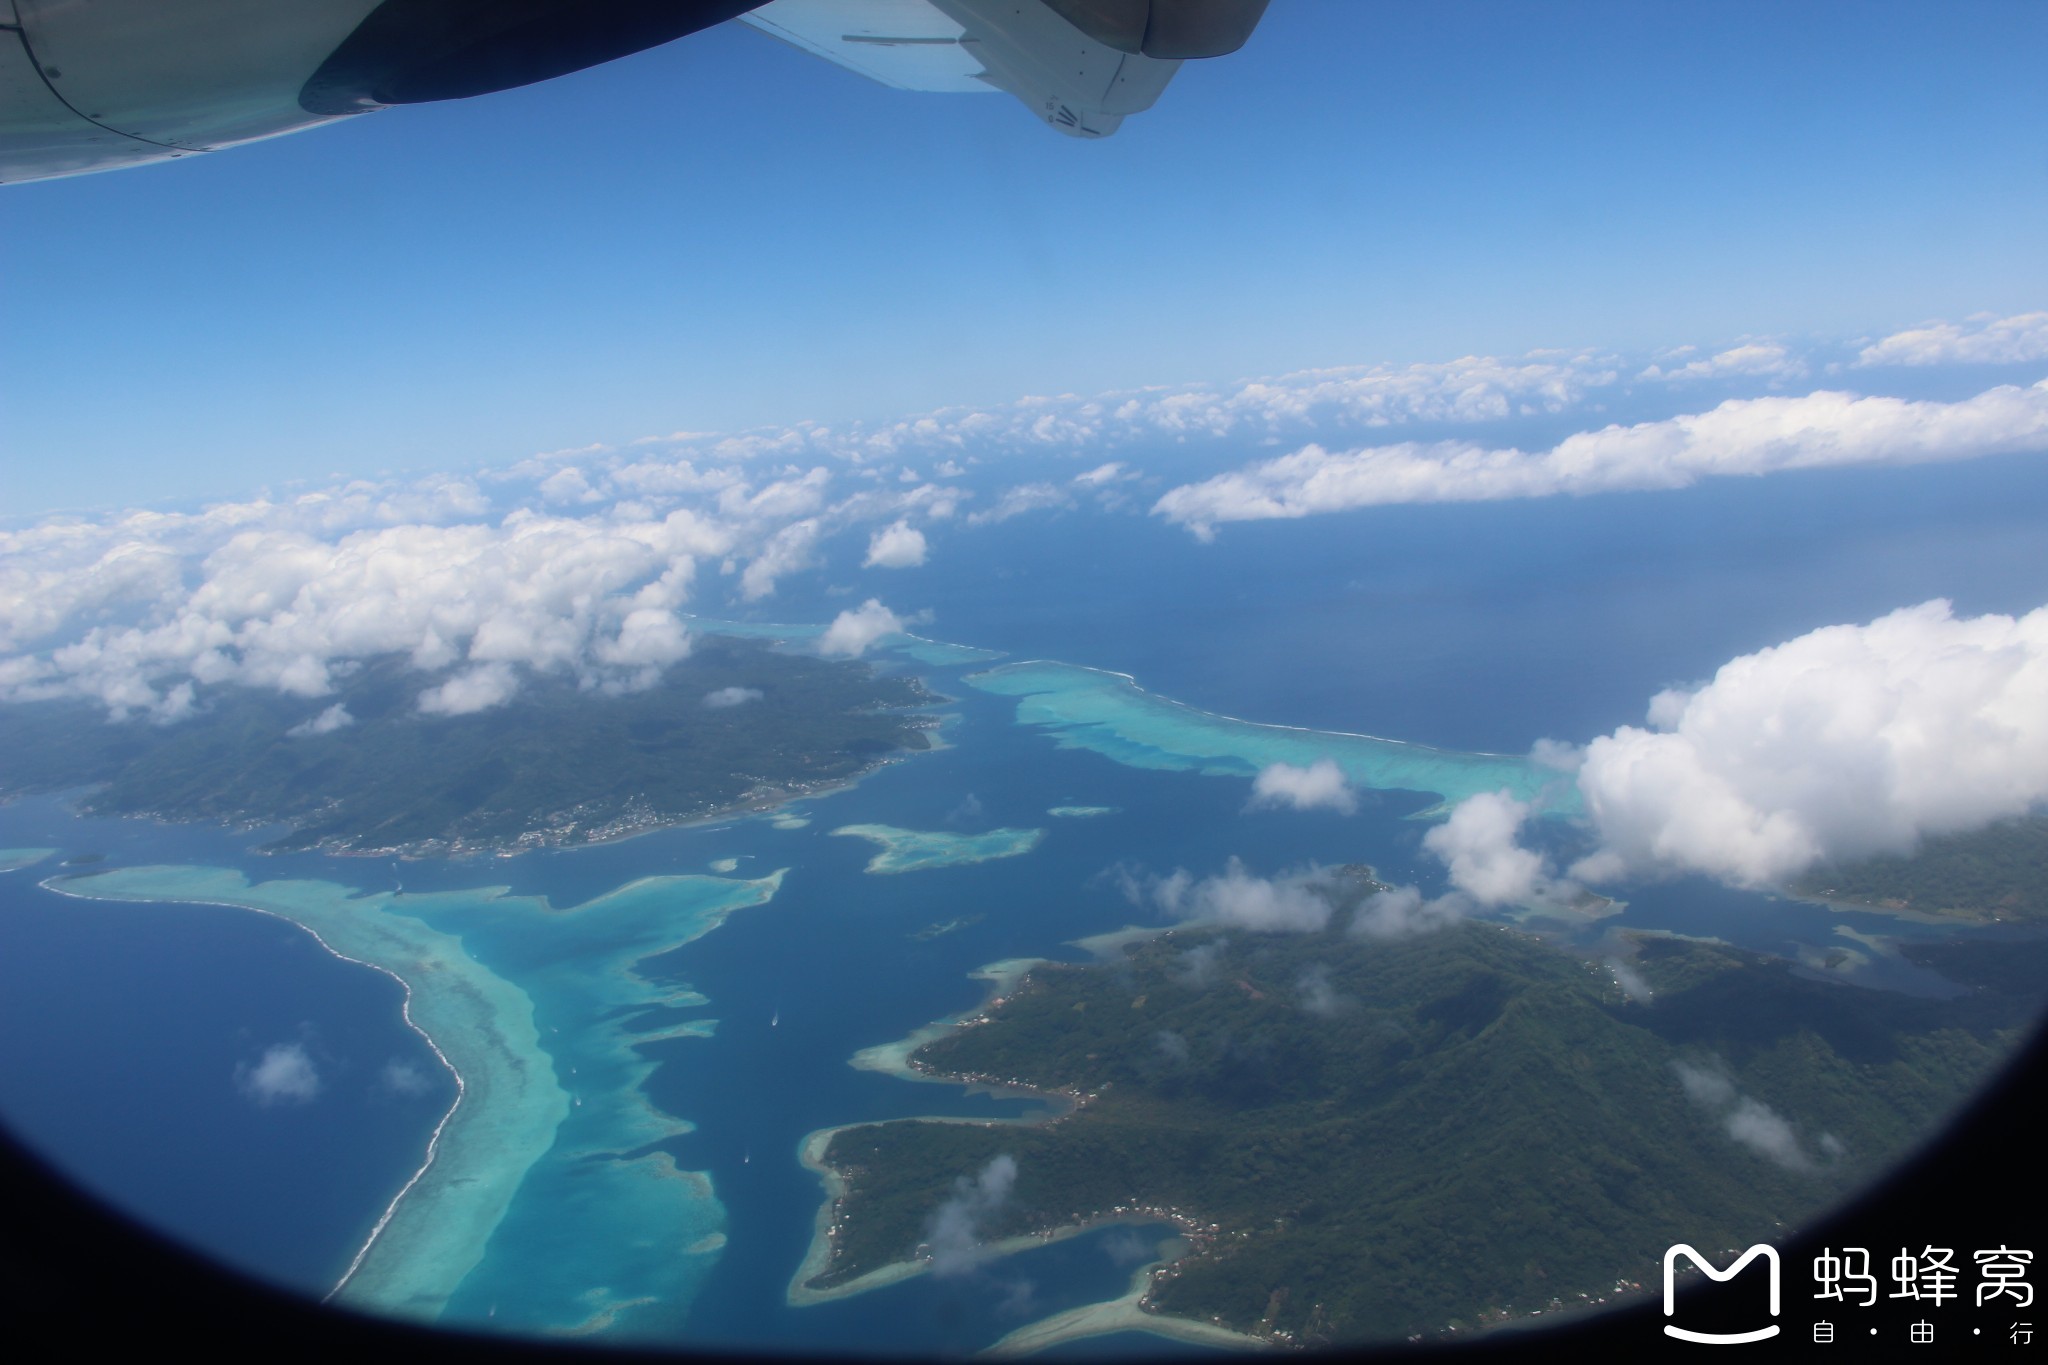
703,1022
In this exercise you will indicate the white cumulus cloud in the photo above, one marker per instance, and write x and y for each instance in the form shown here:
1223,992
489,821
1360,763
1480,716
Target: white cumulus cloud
1320,786
473,689
851,632
1846,742
1477,844
1982,340
787,551
899,546
1743,436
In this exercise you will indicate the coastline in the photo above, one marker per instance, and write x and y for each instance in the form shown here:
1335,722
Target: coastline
893,1058
508,1102
762,801
1130,681
528,1116
811,1155
1898,912
917,850
753,806
1122,1314
1125,1313
15,859
1108,712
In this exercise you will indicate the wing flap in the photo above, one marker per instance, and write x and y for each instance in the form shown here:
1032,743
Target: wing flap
1078,85
906,44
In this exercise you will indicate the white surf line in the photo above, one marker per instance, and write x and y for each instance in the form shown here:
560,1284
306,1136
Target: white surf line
405,1012
433,1142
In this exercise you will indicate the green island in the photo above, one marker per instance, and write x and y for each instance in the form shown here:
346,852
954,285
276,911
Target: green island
913,850
557,764
1365,1140
1983,876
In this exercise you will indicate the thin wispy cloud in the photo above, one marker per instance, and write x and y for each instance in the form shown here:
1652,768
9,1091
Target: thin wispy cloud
1771,359
284,1074
1316,995
1238,898
334,718
953,1238
725,698
404,1079
1404,912
1744,1118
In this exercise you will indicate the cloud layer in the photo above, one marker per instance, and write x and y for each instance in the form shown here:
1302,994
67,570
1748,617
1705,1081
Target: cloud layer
1742,436
1982,340
582,562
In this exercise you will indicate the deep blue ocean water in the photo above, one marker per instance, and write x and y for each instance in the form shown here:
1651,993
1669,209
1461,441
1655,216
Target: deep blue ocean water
122,1027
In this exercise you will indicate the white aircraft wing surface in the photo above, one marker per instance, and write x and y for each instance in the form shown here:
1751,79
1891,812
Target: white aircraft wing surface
1078,85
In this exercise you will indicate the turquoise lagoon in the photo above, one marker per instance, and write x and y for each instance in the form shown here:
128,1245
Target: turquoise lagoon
14,859
563,1122
640,1063
913,850
1091,708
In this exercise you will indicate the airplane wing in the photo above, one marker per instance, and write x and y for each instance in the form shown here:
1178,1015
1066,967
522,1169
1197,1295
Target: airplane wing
1077,83
90,85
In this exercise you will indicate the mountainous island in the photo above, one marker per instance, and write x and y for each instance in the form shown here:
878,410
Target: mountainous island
1367,1140
1995,874
736,725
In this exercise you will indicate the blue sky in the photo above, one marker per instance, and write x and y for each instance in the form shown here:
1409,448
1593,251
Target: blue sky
725,233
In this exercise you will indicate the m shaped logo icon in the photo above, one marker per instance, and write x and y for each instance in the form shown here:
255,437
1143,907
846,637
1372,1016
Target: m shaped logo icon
1770,1256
